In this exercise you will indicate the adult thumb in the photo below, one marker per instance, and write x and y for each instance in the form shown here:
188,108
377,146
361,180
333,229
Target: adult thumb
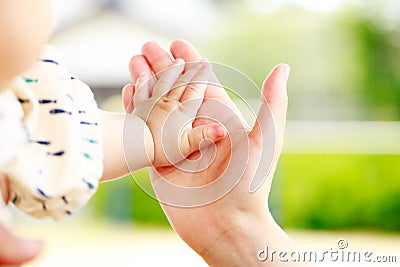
268,130
16,251
274,101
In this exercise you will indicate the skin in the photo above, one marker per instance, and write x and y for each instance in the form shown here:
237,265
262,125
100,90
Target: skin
230,231
233,228
19,26
157,100
24,28
15,251
154,111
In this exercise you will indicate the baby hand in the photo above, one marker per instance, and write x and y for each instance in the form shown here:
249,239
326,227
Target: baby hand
169,107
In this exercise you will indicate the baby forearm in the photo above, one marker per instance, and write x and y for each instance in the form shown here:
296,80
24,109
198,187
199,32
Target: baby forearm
128,144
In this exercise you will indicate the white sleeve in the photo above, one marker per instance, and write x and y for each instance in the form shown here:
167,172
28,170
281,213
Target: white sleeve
61,162
12,131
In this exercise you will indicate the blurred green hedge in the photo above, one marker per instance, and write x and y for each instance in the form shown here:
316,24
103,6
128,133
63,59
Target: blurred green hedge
341,191
309,192
124,200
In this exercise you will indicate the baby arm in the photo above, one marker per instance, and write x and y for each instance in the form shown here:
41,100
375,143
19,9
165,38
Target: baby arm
115,126
68,144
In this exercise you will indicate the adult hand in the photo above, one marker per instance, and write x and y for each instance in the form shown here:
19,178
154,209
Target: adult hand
4,188
14,251
231,230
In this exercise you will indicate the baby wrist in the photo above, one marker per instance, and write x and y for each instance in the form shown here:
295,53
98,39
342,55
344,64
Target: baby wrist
138,143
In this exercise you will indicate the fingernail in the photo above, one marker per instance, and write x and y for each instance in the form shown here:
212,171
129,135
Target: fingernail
179,61
285,69
219,131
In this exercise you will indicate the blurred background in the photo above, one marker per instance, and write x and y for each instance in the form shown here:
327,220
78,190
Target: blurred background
339,174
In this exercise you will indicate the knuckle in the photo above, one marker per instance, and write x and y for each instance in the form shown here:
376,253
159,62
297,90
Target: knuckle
204,133
180,82
192,88
165,103
165,100
191,141
163,82
162,64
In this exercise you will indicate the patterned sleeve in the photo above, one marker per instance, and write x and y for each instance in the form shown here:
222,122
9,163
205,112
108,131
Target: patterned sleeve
60,163
12,132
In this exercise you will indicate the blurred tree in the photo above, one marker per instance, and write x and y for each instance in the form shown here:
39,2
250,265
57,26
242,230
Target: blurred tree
321,50
227,2
380,57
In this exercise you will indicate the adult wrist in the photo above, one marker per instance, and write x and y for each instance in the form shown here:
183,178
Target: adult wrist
238,245
257,241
